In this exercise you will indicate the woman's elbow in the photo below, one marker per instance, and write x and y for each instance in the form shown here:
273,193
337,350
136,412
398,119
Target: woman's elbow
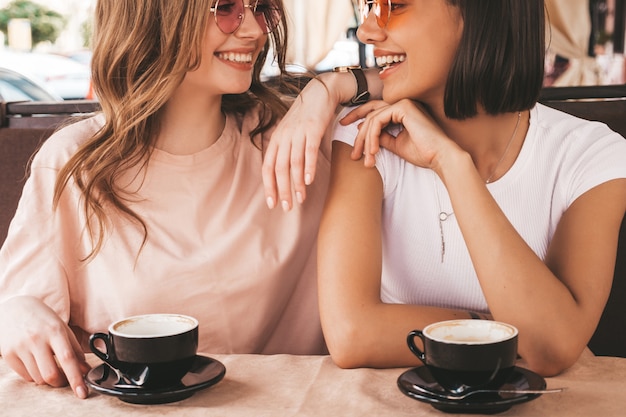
344,359
552,363
345,345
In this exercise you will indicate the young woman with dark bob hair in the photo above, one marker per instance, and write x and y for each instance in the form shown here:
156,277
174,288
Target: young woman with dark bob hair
156,204
458,195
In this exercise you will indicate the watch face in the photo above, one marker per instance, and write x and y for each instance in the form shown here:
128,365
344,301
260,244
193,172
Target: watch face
345,68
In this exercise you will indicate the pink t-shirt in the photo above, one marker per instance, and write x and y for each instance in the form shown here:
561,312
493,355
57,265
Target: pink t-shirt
214,249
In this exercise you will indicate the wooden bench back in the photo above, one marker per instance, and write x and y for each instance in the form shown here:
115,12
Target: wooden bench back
16,148
23,128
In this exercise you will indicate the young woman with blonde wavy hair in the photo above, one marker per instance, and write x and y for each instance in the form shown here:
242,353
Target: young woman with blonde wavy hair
156,203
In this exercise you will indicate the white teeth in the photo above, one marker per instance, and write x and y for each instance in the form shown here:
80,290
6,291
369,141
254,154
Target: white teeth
235,57
383,61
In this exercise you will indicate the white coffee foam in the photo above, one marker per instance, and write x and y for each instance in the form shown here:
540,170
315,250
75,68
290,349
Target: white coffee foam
470,331
154,325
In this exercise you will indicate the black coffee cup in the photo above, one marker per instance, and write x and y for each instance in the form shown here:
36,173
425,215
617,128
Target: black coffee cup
151,351
464,355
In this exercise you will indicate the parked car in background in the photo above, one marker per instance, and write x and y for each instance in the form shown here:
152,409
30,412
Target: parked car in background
16,87
83,56
63,76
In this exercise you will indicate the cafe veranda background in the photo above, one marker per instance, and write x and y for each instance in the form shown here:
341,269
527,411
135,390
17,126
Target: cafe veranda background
315,26
320,36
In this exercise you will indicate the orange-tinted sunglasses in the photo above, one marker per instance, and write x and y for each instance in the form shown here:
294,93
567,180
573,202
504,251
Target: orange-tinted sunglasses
381,9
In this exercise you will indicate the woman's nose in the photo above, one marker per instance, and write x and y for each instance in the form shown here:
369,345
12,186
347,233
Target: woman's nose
249,27
369,31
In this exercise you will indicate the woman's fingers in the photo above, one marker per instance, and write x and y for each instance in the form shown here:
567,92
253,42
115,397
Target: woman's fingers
269,175
39,346
18,364
311,151
297,159
47,367
367,141
71,360
289,165
358,112
283,175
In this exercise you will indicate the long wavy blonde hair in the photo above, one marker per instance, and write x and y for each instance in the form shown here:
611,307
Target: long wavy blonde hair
142,51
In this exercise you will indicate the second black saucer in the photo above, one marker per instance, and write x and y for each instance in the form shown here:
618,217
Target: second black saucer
478,404
204,372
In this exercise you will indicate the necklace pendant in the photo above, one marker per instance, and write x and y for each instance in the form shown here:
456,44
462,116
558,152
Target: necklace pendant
443,216
443,250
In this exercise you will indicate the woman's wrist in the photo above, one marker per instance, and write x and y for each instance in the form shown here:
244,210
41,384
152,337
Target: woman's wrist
339,86
361,94
342,87
450,160
374,83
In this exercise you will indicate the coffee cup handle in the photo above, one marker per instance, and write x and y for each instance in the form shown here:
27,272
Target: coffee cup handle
410,340
92,345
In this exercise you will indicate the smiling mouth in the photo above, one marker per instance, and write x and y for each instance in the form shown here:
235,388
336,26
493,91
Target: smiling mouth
236,57
386,61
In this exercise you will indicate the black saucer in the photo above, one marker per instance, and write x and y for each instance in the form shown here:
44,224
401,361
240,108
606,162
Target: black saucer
490,403
204,372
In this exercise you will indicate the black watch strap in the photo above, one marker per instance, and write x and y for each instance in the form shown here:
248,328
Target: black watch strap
362,93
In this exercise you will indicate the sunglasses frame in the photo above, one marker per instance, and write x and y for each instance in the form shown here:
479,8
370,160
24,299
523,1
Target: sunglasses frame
365,7
252,6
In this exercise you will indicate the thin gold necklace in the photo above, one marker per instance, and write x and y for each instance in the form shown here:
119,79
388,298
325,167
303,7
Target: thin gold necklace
508,145
443,216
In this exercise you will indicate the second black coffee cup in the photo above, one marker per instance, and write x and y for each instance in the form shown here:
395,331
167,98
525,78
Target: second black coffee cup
464,355
150,351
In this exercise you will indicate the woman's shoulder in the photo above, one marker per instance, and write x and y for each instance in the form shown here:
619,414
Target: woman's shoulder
560,124
63,143
560,133
584,153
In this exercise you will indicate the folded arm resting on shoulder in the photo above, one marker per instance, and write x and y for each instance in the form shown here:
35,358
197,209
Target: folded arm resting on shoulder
555,304
291,156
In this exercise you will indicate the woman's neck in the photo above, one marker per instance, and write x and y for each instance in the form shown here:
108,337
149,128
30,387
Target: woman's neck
493,142
190,125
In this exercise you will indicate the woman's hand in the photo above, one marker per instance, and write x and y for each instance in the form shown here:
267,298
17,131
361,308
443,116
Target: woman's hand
39,346
419,141
292,151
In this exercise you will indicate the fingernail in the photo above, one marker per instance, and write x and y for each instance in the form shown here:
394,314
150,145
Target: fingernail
285,205
308,179
299,197
81,392
270,202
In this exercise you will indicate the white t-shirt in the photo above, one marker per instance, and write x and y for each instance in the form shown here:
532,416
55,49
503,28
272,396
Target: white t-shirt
562,157
214,249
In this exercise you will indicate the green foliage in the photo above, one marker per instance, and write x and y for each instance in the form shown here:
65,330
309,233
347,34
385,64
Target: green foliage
86,31
46,24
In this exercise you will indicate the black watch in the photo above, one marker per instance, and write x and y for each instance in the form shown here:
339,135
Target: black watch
362,95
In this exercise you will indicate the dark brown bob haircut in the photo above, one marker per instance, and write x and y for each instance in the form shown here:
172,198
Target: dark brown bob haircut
499,64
